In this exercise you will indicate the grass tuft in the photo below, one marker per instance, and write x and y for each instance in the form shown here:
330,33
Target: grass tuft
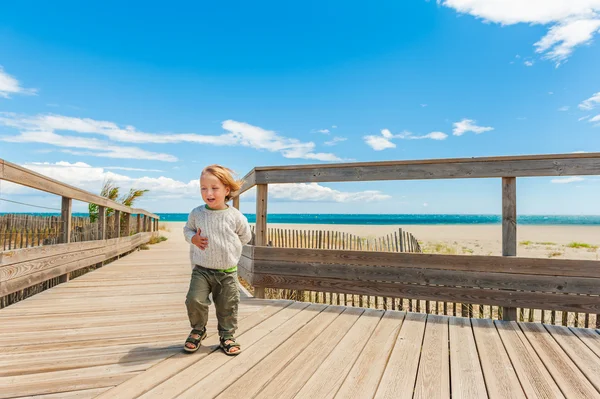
576,244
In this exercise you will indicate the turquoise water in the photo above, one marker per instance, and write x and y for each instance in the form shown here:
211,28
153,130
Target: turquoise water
593,220
406,219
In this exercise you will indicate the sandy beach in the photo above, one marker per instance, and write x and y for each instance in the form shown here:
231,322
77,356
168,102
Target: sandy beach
535,241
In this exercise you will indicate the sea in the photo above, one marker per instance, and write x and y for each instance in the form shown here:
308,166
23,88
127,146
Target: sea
406,219
387,219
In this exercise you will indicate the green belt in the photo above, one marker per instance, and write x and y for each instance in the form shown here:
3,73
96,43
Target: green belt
230,270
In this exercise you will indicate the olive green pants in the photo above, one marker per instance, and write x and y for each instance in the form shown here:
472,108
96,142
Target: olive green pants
225,294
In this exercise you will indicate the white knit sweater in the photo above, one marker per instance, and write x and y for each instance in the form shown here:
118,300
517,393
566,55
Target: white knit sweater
227,231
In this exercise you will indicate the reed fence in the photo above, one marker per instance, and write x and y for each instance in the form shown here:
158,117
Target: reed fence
25,231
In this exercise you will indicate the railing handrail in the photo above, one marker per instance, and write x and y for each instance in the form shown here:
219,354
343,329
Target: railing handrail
475,167
25,177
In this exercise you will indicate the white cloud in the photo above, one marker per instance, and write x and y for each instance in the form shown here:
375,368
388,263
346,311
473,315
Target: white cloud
468,125
91,178
564,108
550,93
565,180
528,63
334,126
379,143
583,118
9,85
591,102
423,105
595,118
237,133
100,148
335,141
132,169
572,23
316,192
425,204
324,131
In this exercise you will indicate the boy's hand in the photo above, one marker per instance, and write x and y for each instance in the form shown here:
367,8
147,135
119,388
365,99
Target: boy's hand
199,241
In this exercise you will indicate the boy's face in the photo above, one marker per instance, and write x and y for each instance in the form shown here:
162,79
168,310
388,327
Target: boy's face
213,191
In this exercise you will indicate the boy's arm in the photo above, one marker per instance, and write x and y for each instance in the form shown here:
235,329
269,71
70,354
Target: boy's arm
189,230
243,229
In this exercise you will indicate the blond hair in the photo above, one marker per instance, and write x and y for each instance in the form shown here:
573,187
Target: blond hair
225,175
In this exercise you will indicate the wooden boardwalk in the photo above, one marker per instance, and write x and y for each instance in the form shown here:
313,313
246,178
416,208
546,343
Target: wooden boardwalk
118,333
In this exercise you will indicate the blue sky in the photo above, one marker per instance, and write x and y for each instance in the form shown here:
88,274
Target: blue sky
148,95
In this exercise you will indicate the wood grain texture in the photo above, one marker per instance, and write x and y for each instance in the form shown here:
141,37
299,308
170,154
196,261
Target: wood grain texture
567,375
430,276
399,377
465,369
433,379
443,169
493,264
579,303
535,379
500,377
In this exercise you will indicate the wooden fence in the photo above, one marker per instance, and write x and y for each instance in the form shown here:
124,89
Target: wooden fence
37,252
548,290
399,241
25,231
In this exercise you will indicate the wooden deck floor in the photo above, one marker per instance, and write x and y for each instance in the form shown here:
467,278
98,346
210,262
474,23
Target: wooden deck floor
118,332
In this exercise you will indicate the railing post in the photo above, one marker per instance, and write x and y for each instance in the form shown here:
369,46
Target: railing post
128,224
261,226
139,224
509,230
236,202
66,214
117,224
101,222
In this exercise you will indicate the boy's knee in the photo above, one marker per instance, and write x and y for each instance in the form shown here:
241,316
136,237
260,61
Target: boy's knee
196,301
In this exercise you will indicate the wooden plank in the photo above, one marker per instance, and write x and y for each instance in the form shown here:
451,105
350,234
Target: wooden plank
585,359
589,337
81,394
216,382
579,303
261,374
29,178
67,380
195,372
421,170
398,380
430,276
330,375
364,377
493,264
170,367
249,181
535,379
433,378
442,161
465,370
292,378
509,230
569,378
500,377
28,254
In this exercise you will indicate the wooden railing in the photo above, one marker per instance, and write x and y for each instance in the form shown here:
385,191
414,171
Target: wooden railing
56,257
507,281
